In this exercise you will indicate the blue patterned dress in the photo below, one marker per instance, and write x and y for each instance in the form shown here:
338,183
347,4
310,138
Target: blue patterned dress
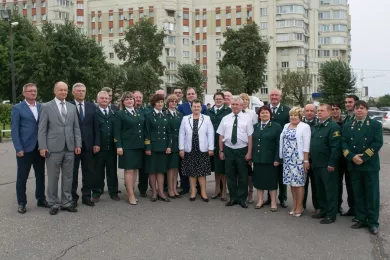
293,171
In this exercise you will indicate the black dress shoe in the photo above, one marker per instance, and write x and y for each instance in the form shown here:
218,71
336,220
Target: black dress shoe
192,198
178,196
75,203
205,199
318,216
327,221
373,230
163,199
268,202
88,202
115,197
231,203
216,196
153,199
22,209
184,191
243,204
283,204
172,197
53,211
349,213
358,225
143,194
43,204
70,209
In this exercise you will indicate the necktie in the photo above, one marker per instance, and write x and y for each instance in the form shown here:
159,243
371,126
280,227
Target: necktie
63,111
105,112
359,123
159,114
262,126
174,114
81,112
234,132
274,110
133,112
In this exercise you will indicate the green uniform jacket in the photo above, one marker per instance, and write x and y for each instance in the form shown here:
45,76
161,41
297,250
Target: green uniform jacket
348,119
157,132
325,144
142,109
312,123
129,130
216,118
366,140
106,126
281,116
174,126
266,143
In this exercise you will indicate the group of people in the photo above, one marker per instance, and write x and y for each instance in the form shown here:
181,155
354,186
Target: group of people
155,143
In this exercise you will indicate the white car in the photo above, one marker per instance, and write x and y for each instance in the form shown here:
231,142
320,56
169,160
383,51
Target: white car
386,121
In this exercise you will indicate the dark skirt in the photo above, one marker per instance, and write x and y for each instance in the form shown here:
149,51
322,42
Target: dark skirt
173,160
131,159
265,176
196,164
156,163
219,165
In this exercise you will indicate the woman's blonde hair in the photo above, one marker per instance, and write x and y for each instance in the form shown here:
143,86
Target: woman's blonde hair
244,96
296,111
170,98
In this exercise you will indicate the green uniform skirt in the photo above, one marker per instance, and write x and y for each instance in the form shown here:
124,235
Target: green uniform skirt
265,176
156,163
131,159
173,160
219,165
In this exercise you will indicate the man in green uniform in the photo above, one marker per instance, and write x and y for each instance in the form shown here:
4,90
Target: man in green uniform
310,119
280,115
361,141
105,159
349,106
325,154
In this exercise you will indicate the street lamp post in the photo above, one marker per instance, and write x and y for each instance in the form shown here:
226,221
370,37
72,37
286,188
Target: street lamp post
6,15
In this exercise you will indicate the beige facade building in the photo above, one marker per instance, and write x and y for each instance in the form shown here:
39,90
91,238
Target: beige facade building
302,33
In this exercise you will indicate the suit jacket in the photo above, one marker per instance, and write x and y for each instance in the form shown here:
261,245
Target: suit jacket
89,126
281,116
174,125
265,147
303,135
185,109
157,132
205,133
106,127
53,133
129,130
24,127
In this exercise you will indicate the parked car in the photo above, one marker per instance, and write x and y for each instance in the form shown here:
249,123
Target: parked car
384,109
373,108
386,122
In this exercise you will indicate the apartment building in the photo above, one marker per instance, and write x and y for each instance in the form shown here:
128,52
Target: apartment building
302,33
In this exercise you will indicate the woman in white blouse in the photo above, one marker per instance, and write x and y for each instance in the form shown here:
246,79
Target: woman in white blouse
294,150
196,144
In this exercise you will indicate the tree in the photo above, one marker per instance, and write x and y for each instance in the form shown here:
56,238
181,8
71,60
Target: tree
142,43
337,81
190,76
293,83
115,78
143,78
371,102
384,101
232,79
247,50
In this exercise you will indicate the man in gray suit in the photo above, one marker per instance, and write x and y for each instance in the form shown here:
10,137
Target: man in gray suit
59,139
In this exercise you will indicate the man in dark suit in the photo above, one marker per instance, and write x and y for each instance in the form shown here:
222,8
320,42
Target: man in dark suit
90,133
24,129
280,115
114,108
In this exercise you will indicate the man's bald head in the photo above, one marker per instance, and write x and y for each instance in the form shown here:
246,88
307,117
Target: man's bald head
310,111
61,90
161,92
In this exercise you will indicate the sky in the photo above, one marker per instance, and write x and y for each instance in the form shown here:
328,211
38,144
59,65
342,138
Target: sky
370,48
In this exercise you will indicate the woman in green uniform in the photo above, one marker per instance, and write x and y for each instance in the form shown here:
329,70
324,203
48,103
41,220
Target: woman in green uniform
157,146
265,156
174,120
129,141
216,113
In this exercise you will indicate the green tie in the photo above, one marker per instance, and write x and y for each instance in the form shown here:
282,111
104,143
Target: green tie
359,124
234,132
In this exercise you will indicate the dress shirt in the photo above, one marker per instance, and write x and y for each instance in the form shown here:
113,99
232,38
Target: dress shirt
130,110
102,109
58,102
33,109
78,106
158,112
244,129
172,111
253,116
261,123
272,106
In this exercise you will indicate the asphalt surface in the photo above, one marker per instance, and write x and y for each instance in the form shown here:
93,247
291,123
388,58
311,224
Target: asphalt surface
179,229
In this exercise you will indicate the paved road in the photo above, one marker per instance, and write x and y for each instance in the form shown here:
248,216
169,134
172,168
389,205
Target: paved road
180,229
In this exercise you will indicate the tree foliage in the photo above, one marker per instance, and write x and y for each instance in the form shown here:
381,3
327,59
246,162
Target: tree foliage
5,113
293,84
190,76
245,49
232,79
383,101
337,81
115,78
142,43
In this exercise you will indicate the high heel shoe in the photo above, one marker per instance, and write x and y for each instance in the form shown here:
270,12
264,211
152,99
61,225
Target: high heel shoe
153,199
216,196
205,199
192,198
291,212
298,214
250,192
163,199
172,197
178,196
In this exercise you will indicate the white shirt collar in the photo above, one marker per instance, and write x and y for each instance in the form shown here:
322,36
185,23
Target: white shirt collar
35,103
130,109
275,106
172,111
155,110
102,109
58,102
264,123
78,103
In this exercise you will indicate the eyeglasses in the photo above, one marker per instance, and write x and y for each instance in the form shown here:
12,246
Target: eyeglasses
173,101
31,91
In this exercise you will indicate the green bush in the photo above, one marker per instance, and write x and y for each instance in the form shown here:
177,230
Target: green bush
5,113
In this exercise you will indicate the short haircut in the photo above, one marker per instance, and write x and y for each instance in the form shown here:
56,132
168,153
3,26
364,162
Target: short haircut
28,85
244,96
190,89
155,98
276,90
237,98
296,111
125,96
196,101
264,108
171,98
328,107
353,96
137,91
361,103
78,85
315,108
177,88
107,89
101,92
219,94
336,105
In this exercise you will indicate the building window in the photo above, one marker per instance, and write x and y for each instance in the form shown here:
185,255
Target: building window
249,14
43,4
338,40
111,18
186,41
99,18
336,53
93,31
218,29
284,52
204,54
171,65
218,54
131,16
151,14
218,17
186,54
171,13
228,15
218,42
44,17
339,28
121,17
204,16
285,64
299,36
263,11
197,42
264,91
324,40
324,28
59,2
290,9
80,6
300,50
325,2
204,41
170,52
282,37
323,15
300,63
204,66
204,29
120,29
186,29
110,30
197,30
339,14
324,53
111,42
186,16
100,31
170,39
263,26
111,55
141,15
197,17
171,78
80,18
93,19
238,15
197,55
